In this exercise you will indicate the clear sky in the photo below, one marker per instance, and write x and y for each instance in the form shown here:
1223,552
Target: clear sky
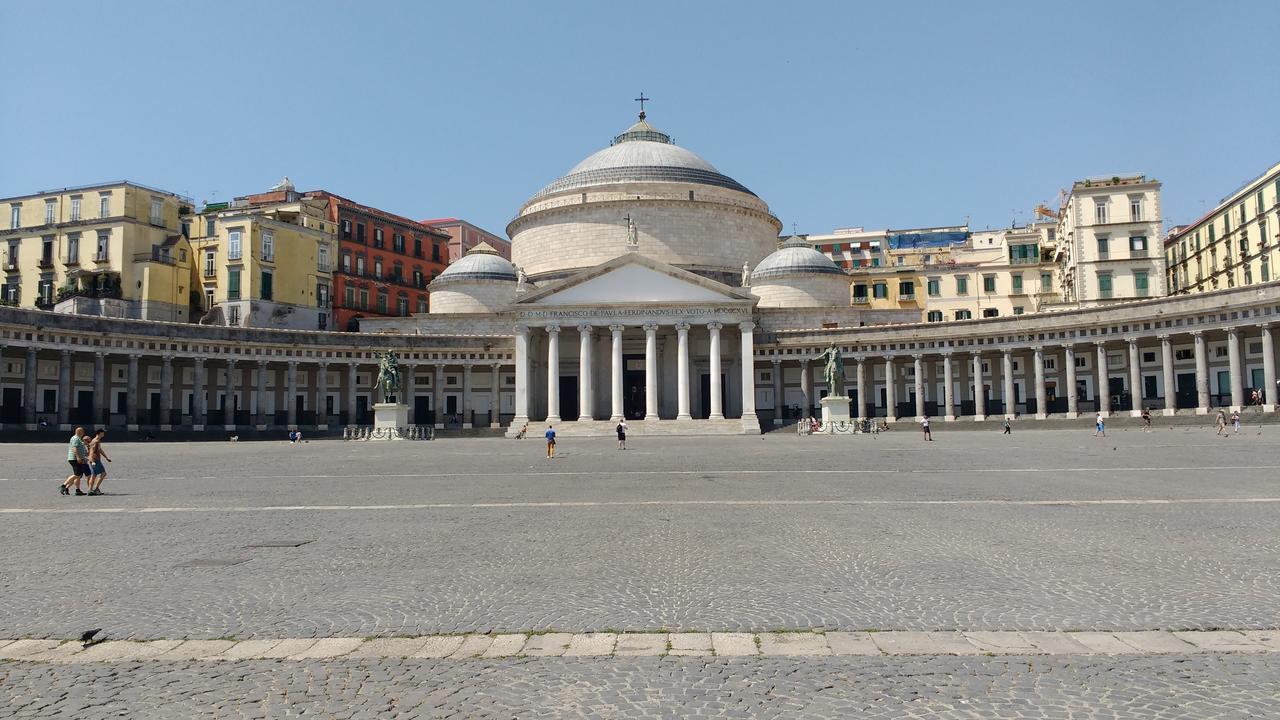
888,114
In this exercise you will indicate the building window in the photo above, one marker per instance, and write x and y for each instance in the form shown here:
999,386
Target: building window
1015,281
364,299
422,305
964,315
935,316
906,289
1100,212
1135,209
104,246
208,299
382,303
1138,246
360,232
1104,248
46,251
209,269
233,283
377,268
346,262
346,229
233,244
988,284
233,315
435,253
1265,268
75,209
934,287
350,297
1046,282
11,260
1140,283
15,217
104,204
417,247
397,271
417,278
157,211
1104,285
962,285
322,295
1018,310
50,211
402,307
377,237
10,292
990,312
44,292
360,265
268,245
267,281
880,290
398,242
322,258
322,321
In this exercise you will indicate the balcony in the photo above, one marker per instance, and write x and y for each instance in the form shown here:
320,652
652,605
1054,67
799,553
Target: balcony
1138,253
906,297
155,256
1104,294
861,300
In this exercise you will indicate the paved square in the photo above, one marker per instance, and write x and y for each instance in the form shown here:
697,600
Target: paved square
711,539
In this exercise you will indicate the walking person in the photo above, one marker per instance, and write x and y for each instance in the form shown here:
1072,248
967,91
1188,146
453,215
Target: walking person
1235,422
924,425
622,434
1100,426
1222,423
551,442
1146,420
77,457
1008,427
96,455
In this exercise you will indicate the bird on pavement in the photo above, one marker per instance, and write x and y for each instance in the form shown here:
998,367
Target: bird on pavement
86,637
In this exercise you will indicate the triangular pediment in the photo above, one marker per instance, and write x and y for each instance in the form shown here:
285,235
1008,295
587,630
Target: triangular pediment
634,278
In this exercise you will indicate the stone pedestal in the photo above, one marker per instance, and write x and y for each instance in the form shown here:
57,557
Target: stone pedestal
835,415
390,416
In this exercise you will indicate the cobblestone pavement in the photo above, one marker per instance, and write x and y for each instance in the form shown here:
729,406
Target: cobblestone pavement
1201,687
1038,531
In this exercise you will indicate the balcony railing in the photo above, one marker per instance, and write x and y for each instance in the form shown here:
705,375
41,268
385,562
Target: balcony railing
155,256
861,300
1104,294
1138,253
906,297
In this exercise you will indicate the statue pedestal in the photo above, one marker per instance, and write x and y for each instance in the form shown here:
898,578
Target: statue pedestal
835,416
390,416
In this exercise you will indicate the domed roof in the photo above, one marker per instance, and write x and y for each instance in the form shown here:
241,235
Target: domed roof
481,262
642,154
794,257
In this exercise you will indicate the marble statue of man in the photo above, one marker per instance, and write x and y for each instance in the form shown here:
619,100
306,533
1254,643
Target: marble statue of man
633,234
521,279
746,274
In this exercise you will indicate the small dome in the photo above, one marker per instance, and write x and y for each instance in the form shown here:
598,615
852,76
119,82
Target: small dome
481,262
794,257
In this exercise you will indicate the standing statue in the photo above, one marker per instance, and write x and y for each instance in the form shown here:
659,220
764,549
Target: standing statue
389,377
633,235
834,369
746,274
521,279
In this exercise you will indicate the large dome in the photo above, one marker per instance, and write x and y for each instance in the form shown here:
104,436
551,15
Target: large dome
795,257
481,262
642,154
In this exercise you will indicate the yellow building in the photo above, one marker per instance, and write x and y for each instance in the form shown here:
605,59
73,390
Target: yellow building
997,273
1235,244
115,249
265,261
890,273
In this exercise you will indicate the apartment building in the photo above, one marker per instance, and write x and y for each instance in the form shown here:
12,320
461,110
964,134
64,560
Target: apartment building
1108,235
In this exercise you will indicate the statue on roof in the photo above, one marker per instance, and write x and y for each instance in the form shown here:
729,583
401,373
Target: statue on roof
746,274
521,279
633,234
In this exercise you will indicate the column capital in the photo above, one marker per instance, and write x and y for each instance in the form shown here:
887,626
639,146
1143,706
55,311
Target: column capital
199,361
65,353
947,353
586,329
99,353
166,359
553,329
325,363
917,356
1163,337
682,327
1131,340
1100,344
31,352
776,360
231,362
715,326
1233,331
1038,349
747,326
1264,325
1197,334
616,328
293,364
651,327
522,329
1006,351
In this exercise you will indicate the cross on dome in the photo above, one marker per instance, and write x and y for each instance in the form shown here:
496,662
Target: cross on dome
642,100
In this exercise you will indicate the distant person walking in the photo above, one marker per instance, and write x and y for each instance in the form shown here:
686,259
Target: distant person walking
1008,427
1222,423
1100,426
622,434
1146,420
551,442
77,458
1235,422
924,425
96,455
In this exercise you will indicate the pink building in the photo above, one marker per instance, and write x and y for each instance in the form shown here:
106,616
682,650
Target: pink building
466,236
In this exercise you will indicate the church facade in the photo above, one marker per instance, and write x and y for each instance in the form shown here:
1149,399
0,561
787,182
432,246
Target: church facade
643,284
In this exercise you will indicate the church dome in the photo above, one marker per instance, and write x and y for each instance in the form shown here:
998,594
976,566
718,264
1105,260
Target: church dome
641,154
794,257
481,262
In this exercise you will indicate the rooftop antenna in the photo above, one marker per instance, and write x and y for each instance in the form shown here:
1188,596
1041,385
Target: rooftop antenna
642,100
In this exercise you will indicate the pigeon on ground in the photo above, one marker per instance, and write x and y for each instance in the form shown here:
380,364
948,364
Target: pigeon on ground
86,637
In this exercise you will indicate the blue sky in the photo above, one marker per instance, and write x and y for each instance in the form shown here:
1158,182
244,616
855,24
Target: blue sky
892,114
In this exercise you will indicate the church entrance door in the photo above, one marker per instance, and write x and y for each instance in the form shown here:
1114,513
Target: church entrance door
633,386
705,381
569,397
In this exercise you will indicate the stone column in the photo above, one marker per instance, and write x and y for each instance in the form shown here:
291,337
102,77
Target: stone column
1268,369
353,379
682,370
586,393
919,373
29,400
778,406
260,395
1073,400
437,382
1237,370
553,374
948,391
290,395
860,379
1166,366
198,404
749,420
322,393
1042,396
717,402
101,390
979,396
495,396
651,372
466,395
1135,378
1202,374
166,392
616,376
409,383
1006,367
806,388
132,392
1104,389
890,390
64,391
229,394
522,380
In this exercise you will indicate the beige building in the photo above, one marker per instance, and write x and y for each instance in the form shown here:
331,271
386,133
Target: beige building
115,249
1235,244
997,273
265,264
1108,241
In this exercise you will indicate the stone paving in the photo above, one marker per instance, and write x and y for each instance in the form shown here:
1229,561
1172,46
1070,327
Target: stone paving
680,555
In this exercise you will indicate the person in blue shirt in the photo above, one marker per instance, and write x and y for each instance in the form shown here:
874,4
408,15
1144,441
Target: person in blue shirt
551,442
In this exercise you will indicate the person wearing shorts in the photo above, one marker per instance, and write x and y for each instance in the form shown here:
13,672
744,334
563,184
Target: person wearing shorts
924,424
96,455
622,434
551,442
77,455
1100,426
